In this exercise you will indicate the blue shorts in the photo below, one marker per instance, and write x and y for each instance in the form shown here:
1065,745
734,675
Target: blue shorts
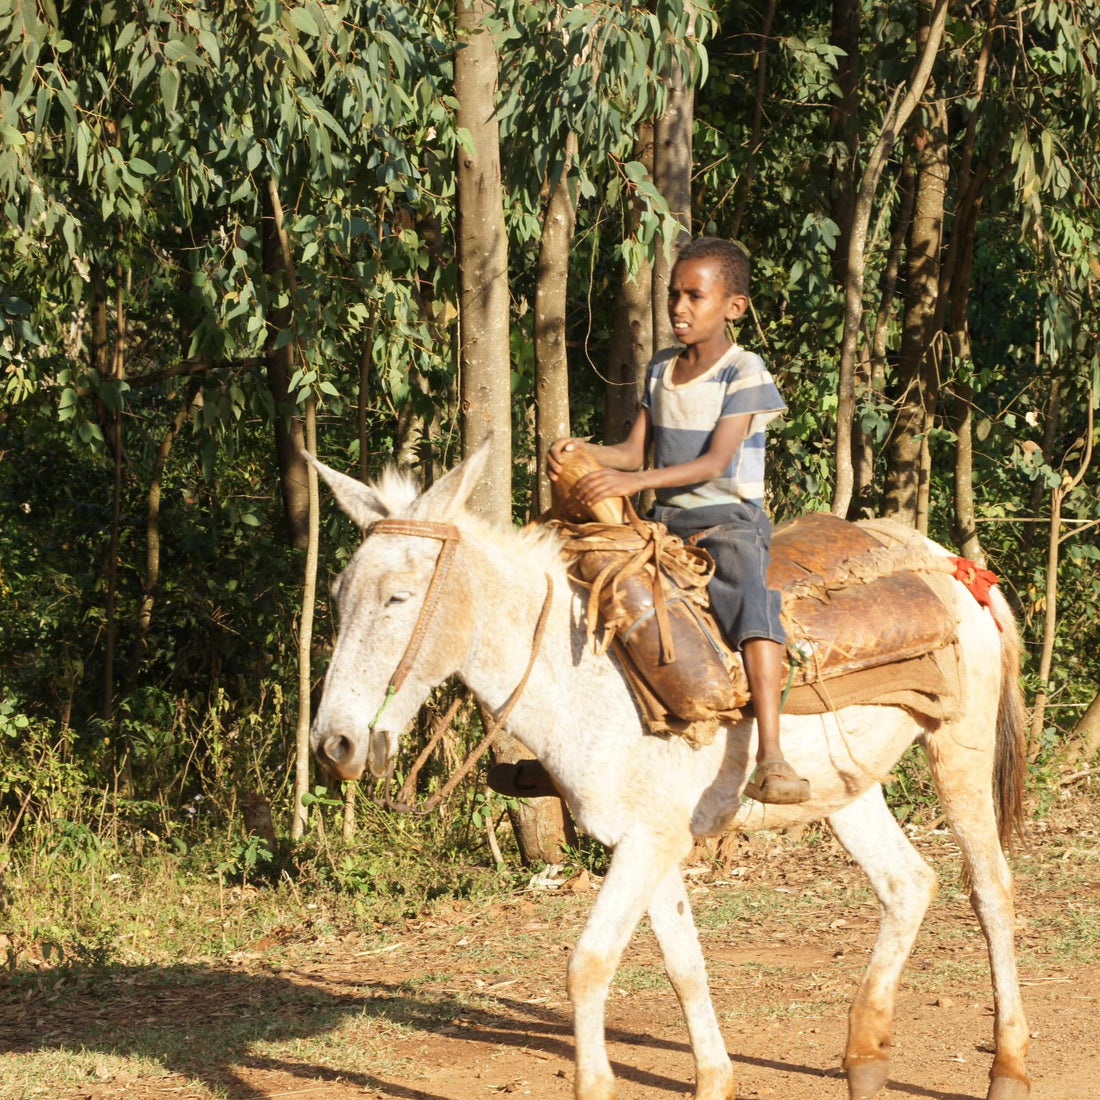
738,537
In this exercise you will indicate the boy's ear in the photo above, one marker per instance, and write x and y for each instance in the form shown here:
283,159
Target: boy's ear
737,305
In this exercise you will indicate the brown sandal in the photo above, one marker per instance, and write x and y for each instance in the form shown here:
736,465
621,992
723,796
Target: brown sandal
523,779
777,783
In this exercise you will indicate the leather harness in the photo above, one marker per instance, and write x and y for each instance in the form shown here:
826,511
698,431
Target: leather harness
449,535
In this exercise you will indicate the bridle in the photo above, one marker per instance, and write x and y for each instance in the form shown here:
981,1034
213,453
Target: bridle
449,536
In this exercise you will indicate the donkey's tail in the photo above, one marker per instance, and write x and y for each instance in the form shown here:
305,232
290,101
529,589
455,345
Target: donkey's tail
1010,760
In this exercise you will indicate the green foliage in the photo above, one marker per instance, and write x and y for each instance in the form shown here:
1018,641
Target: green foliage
245,859
140,150
588,855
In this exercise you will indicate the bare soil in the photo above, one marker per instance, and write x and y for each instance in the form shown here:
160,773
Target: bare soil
469,1002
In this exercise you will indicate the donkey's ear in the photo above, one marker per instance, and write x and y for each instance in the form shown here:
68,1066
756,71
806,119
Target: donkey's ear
449,494
359,501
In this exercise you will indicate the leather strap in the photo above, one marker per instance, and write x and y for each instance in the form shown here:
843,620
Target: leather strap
448,535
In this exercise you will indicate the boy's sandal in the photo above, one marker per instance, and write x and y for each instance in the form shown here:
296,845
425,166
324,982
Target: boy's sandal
523,779
777,783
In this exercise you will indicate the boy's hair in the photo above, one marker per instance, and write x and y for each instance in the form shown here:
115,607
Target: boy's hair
733,260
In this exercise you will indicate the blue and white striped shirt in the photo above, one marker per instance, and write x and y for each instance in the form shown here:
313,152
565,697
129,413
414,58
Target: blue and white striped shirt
683,418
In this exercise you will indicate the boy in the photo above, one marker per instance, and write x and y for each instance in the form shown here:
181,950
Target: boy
705,409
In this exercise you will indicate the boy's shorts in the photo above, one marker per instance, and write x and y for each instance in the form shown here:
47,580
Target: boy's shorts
738,537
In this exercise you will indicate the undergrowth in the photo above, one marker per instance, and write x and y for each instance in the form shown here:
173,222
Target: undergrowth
77,897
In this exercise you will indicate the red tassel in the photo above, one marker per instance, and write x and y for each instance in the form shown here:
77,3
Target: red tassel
978,581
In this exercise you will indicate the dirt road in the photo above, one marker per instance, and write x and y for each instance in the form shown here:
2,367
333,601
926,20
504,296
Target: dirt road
469,1002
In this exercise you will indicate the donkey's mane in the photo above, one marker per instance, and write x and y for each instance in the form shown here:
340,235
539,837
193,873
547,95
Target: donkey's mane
539,544
536,545
396,490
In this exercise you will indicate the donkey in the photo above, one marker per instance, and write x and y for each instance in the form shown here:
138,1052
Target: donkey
434,591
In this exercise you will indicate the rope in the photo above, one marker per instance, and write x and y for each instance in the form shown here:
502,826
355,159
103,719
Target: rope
401,804
616,553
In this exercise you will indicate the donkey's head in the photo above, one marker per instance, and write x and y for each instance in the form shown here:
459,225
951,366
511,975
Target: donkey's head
404,613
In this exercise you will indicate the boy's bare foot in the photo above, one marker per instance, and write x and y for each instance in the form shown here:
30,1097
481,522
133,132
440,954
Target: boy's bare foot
777,783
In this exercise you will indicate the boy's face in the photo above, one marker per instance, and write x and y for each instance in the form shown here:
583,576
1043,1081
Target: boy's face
699,301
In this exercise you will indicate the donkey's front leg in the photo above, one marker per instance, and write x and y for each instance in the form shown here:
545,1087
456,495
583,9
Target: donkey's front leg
670,915
638,864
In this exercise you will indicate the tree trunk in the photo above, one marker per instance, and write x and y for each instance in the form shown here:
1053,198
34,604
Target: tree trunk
962,422
672,174
152,526
99,351
1087,730
362,399
305,634
844,127
632,328
870,380
300,817
484,364
961,263
918,369
412,445
110,627
348,826
896,117
1050,622
551,363
1051,419
541,826
1068,483
279,358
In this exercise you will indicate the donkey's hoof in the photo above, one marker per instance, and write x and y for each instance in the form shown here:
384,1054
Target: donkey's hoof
865,1078
1008,1088
716,1086
594,1088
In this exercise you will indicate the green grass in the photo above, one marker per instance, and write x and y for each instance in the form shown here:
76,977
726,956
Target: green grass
634,979
785,1010
799,907
1070,939
44,1074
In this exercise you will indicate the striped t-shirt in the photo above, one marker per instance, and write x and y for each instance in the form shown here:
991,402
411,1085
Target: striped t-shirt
683,418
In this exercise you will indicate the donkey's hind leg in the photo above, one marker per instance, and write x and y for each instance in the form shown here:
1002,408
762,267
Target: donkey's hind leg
674,927
904,885
964,787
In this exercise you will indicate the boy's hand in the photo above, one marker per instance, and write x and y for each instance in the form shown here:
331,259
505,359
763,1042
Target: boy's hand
558,449
600,484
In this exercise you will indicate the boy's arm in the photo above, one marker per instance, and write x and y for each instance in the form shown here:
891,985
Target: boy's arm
727,436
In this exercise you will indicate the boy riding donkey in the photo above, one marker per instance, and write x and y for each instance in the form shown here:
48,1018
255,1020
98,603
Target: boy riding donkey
705,409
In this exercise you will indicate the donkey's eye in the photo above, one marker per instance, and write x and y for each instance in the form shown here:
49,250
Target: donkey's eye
398,597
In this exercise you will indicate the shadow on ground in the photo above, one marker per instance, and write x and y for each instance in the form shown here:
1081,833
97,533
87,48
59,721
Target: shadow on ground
215,1026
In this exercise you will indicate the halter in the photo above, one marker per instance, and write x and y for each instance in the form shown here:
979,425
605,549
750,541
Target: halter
449,535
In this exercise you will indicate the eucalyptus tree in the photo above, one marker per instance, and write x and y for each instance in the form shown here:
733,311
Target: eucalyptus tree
146,148
583,85
977,313
1010,141
570,88
482,250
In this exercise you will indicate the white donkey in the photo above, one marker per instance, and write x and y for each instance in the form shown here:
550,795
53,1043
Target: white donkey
433,592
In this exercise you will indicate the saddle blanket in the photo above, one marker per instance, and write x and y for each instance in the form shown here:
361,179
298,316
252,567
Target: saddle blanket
864,623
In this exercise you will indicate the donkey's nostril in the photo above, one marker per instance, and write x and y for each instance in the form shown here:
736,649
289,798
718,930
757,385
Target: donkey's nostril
337,749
